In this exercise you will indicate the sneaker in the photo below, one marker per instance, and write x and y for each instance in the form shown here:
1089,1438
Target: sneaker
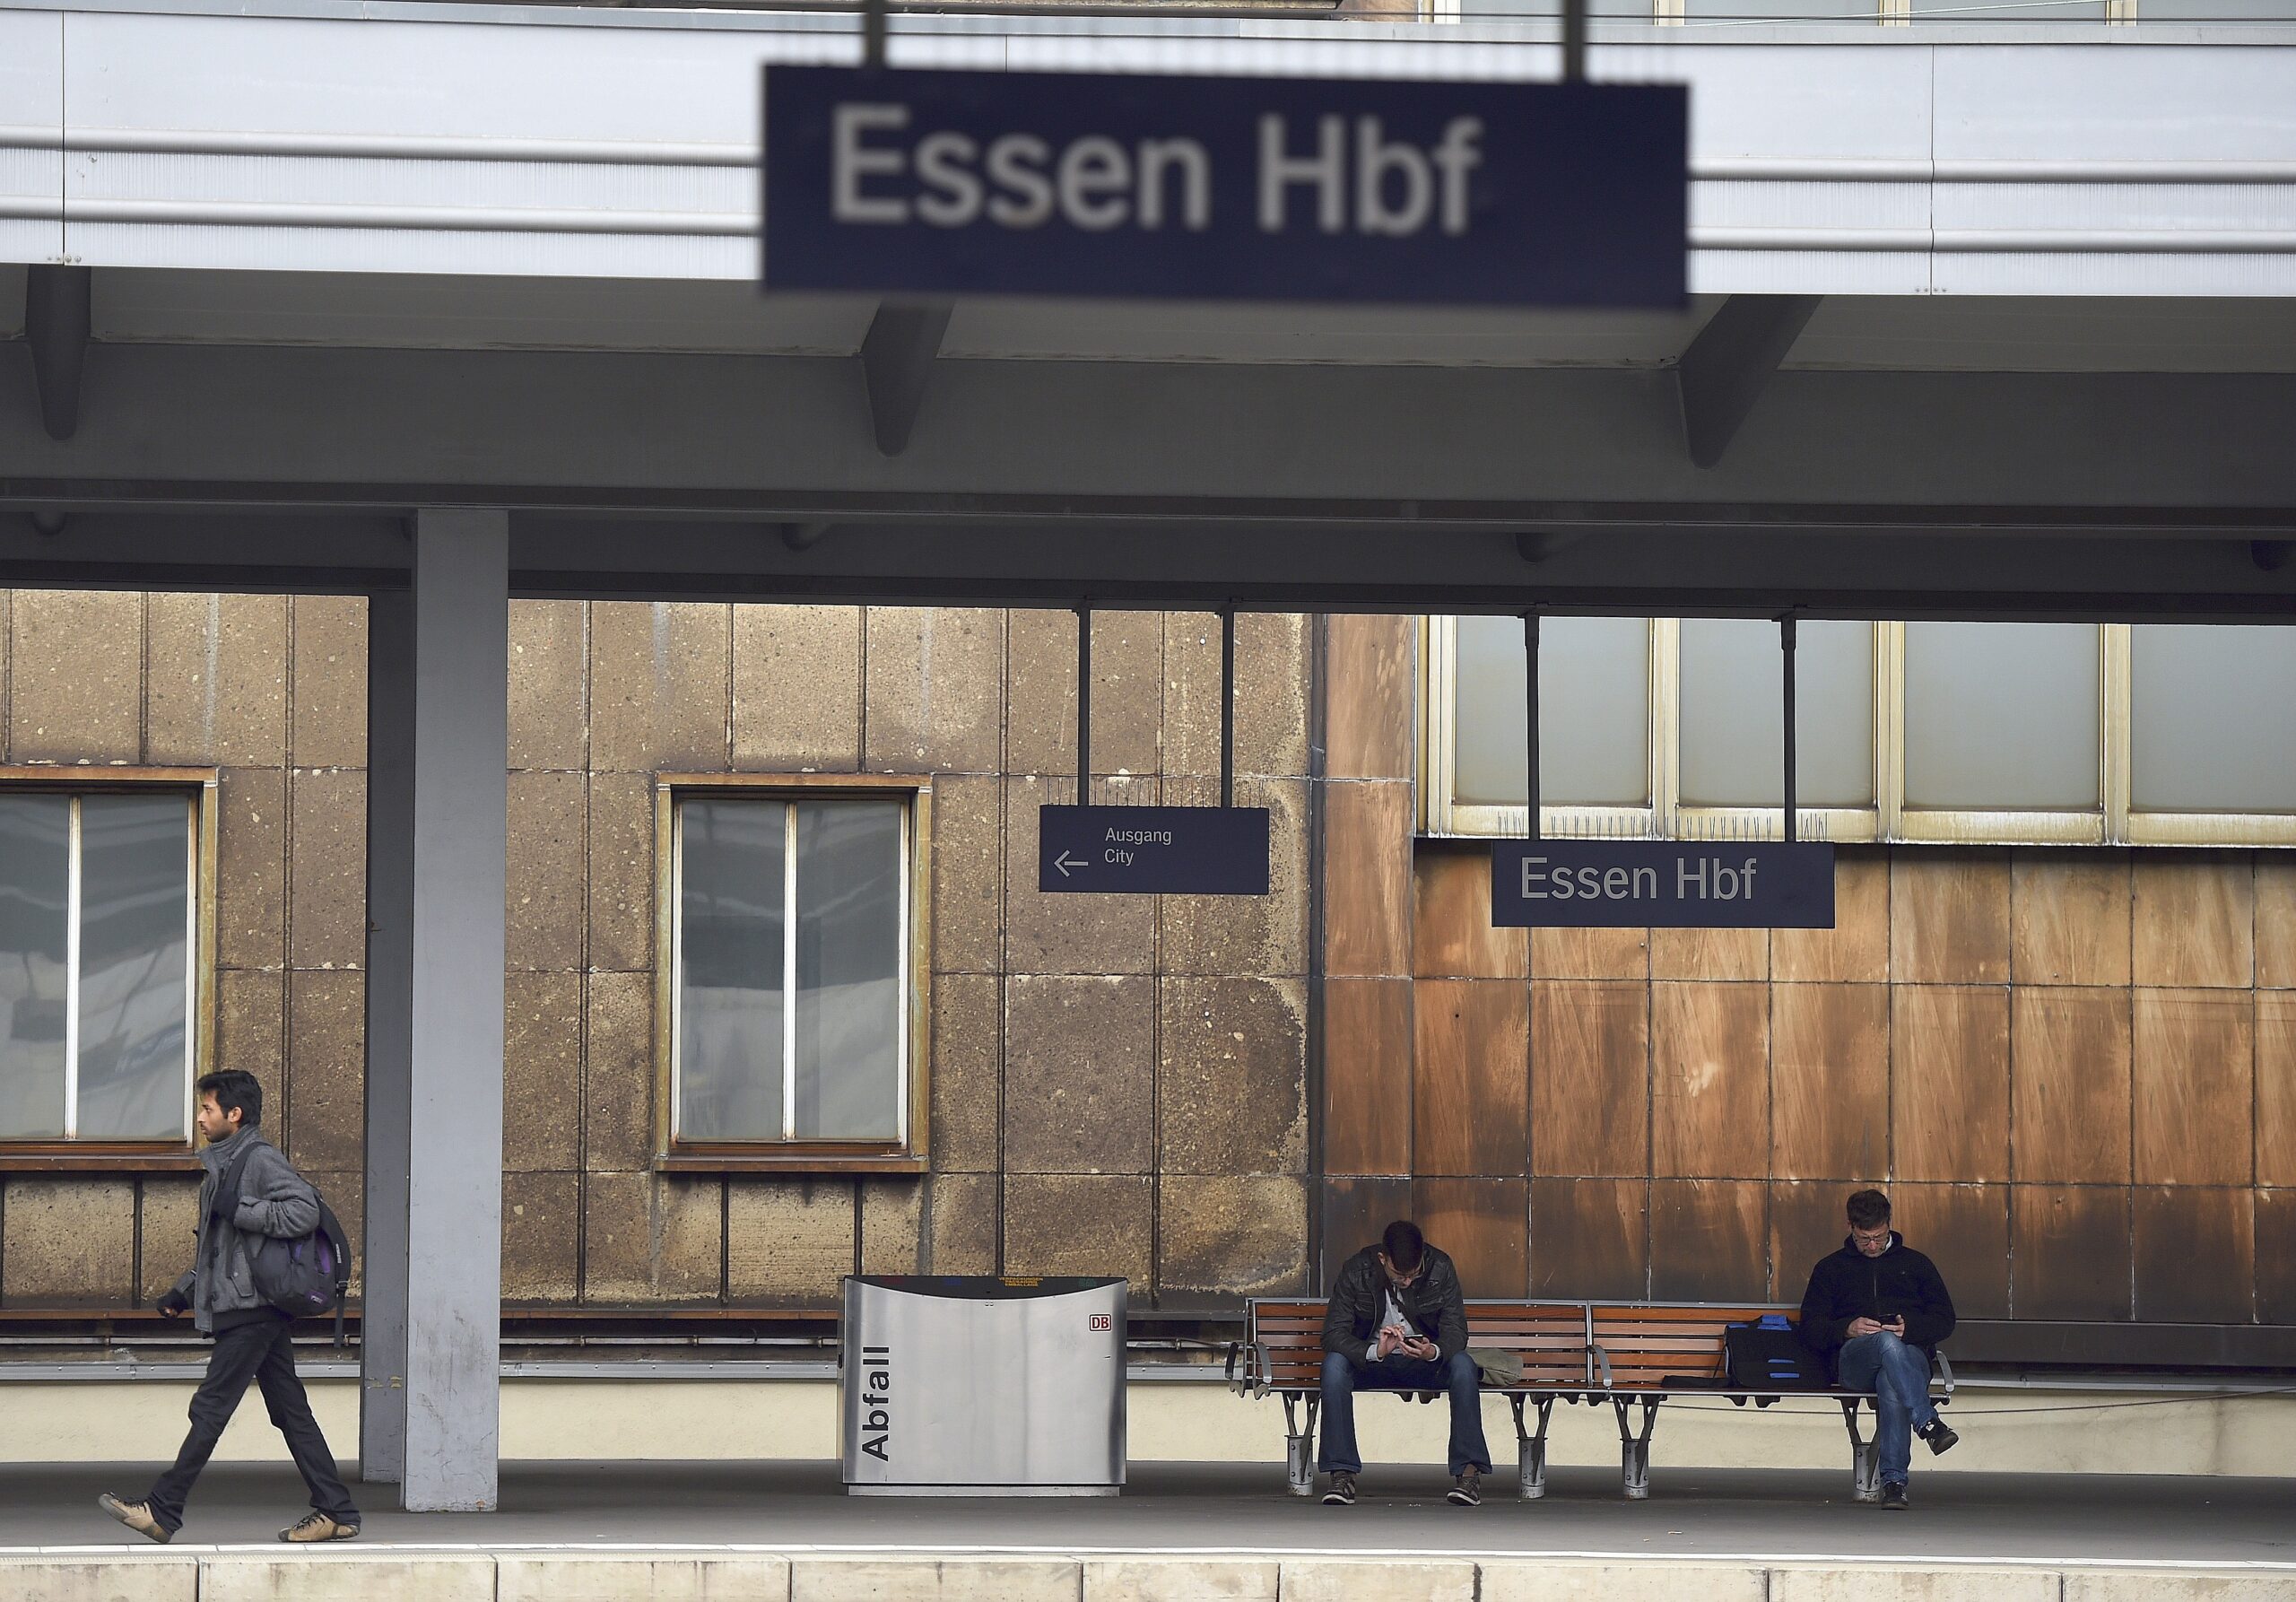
1940,1439
1466,1490
137,1516
1342,1494
1893,1496
318,1527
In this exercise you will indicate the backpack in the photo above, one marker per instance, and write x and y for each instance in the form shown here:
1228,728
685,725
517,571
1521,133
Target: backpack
1768,1355
304,1277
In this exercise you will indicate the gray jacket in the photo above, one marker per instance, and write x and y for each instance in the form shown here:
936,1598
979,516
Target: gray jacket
274,1200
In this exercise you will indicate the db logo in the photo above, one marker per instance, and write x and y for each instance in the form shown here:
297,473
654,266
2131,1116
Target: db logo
1103,1321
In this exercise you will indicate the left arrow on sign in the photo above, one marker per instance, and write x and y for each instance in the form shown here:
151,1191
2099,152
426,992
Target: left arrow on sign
1064,862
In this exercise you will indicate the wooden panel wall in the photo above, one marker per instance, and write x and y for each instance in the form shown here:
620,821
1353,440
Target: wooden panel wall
2075,1071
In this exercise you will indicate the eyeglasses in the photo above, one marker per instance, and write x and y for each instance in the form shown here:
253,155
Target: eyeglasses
1879,1237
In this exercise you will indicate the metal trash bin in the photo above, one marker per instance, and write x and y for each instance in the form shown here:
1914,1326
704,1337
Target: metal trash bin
982,1387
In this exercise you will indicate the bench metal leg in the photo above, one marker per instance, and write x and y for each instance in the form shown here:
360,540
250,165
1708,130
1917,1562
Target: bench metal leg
1633,1446
1864,1456
1300,1445
1531,1447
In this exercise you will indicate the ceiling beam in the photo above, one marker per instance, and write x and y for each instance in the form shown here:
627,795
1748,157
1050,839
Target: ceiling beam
1988,571
58,316
1723,373
897,356
785,437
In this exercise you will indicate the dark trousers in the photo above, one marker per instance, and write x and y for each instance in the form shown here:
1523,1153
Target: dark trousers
1458,1378
261,1354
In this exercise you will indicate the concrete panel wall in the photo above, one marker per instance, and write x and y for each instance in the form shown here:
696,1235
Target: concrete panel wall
2078,1069
1116,1083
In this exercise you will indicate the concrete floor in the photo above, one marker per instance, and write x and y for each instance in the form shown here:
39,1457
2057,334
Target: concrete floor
1227,1507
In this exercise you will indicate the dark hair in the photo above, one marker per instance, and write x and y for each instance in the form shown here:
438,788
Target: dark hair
1868,1209
235,1088
1403,1244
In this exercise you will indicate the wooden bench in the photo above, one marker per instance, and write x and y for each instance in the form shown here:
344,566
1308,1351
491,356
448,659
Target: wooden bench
1633,1355
1285,1358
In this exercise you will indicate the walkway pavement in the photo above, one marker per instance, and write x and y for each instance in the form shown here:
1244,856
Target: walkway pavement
1226,1508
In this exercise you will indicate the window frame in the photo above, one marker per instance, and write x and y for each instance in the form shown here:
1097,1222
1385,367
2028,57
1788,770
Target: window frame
202,787
907,1153
1888,821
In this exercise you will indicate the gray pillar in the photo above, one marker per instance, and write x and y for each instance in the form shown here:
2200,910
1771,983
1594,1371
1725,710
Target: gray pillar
390,1057
439,662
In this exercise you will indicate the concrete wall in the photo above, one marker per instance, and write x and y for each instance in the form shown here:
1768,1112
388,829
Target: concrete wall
1117,1085
2078,1069
588,1419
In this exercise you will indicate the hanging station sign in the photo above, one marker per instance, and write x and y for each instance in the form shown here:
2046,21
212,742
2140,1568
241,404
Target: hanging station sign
1610,884
935,183
1152,850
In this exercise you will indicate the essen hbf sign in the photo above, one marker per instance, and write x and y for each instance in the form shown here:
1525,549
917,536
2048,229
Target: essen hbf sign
942,183
1543,883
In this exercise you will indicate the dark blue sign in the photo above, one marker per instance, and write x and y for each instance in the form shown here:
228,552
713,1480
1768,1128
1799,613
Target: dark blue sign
1614,885
1153,850
993,183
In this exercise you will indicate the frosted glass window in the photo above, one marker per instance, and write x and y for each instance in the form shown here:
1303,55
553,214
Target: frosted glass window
134,965
731,970
1594,712
1733,716
2211,718
849,968
102,1050
792,938
34,875
2002,716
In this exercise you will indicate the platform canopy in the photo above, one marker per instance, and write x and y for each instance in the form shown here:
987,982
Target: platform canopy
1987,320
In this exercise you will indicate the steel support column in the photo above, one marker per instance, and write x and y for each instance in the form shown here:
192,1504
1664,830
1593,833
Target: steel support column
437,848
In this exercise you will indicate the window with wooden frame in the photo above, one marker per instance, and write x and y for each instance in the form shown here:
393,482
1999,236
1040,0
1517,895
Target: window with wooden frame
795,970
1947,733
107,896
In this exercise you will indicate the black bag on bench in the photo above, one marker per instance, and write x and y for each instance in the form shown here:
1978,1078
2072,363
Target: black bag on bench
1768,1356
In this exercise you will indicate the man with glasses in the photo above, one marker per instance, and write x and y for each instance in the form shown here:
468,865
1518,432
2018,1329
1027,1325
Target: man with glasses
1877,1309
1397,1322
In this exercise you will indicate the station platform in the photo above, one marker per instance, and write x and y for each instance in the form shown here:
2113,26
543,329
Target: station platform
788,1532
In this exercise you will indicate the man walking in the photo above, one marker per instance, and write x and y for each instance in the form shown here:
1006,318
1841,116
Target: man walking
1877,1309
1396,1321
250,1334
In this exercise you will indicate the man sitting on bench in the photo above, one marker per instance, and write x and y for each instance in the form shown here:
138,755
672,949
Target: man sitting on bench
1877,1309
1397,1322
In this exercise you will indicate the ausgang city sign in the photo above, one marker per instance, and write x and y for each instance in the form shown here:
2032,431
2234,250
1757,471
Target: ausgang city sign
945,183
1547,883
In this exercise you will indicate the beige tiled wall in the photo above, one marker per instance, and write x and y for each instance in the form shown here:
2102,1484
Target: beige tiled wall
1118,1083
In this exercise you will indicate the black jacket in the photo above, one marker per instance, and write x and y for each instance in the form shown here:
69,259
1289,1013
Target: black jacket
1850,1285
1432,1304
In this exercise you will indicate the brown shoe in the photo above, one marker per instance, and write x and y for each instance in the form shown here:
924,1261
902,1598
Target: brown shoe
318,1527
137,1516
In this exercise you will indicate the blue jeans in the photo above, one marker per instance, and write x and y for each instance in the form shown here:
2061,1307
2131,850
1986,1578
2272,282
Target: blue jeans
1898,1374
1336,1452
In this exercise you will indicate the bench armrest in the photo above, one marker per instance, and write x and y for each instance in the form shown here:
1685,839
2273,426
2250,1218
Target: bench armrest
1942,1371
1240,1384
1602,1361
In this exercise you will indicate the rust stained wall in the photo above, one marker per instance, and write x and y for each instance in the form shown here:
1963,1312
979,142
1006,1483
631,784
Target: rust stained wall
2074,1070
